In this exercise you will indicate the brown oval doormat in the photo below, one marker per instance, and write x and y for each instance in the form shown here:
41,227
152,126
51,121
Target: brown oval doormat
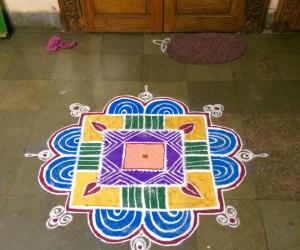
206,48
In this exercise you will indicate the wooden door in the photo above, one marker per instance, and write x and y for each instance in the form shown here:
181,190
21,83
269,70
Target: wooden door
166,15
204,15
121,15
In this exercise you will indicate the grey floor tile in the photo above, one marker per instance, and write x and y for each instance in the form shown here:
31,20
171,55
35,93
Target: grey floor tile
163,68
44,125
6,46
248,236
258,44
263,97
26,95
204,93
9,164
31,66
30,42
3,201
106,90
188,244
282,224
277,177
77,236
285,43
16,128
288,66
23,224
255,67
233,121
62,93
293,90
177,90
86,43
271,132
122,67
75,66
216,72
26,178
123,44
5,62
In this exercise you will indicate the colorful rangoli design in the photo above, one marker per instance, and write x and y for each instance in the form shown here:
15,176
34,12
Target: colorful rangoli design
143,170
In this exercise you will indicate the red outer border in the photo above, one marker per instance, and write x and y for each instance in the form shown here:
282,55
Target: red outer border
142,227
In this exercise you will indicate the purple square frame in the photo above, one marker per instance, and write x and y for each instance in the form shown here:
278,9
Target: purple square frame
112,173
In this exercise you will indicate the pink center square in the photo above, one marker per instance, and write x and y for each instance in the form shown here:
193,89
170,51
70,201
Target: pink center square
149,156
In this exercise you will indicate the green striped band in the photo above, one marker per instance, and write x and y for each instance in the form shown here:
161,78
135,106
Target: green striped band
134,122
155,197
132,197
154,122
90,149
89,152
197,162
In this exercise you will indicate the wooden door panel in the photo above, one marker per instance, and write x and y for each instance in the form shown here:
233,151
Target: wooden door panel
120,7
122,15
204,6
179,15
297,22
204,15
287,16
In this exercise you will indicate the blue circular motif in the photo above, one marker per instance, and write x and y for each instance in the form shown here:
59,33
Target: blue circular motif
164,107
125,106
67,141
221,141
59,173
169,224
225,170
117,223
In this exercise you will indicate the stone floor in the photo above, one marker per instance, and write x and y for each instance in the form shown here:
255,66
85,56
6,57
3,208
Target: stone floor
260,92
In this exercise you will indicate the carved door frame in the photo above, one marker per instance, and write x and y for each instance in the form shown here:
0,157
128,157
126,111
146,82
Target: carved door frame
255,15
286,15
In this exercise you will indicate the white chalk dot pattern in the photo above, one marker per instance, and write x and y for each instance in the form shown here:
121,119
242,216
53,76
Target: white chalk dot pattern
58,217
77,109
246,155
162,43
43,155
216,110
140,243
229,218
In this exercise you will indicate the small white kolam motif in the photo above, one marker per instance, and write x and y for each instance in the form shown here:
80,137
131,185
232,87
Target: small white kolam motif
229,217
162,43
140,243
58,217
77,109
216,110
43,155
246,155
146,95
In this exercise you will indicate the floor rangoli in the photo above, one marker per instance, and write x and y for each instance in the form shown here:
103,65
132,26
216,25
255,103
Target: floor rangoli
143,170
